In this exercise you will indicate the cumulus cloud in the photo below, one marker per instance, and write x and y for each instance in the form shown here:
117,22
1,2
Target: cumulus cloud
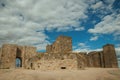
82,47
102,8
94,38
97,5
118,55
117,51
110,24
24,21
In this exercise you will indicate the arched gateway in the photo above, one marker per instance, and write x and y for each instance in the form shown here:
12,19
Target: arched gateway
13,56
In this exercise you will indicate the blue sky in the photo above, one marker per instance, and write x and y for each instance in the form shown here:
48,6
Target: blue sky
90,23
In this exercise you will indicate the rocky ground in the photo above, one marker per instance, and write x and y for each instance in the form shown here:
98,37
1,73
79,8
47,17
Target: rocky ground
87,74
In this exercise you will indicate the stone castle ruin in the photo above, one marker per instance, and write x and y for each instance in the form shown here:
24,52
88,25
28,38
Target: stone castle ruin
9,53
59,55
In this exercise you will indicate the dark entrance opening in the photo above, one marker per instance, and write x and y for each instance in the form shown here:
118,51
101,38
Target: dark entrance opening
31,65
63,67
18,62
18,58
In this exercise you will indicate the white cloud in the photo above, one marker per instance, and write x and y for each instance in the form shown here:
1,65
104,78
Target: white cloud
102,8
110,24
81,47
94,38
117,50
97,5
79,28
23,22
87,50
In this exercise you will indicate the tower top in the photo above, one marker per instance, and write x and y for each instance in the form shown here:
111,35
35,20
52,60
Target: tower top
108,45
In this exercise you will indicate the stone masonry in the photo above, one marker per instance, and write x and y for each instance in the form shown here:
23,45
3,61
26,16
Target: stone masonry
105,59
109,56
9,53
55,61
58,55
62,44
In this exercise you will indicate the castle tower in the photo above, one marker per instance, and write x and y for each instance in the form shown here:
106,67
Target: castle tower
109,56
62,44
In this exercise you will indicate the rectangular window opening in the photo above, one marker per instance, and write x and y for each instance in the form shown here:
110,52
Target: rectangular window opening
63,67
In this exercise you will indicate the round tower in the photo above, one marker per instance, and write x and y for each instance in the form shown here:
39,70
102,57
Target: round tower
109,56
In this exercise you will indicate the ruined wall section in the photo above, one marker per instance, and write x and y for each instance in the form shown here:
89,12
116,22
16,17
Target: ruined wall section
62,44
95,59
91,59
20,54
85,58
53,61
81,61
9,53
49,48
0,52
57,64
0,56
102,63
29,53
110,58
8,56
105,59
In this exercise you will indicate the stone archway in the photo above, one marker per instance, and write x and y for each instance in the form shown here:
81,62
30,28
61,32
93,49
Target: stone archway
18,62
18,58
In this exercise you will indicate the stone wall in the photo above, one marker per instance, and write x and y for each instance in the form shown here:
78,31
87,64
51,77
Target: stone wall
49,48
105,59
84,56
0,52
57,64
8,56
58,61
95,59
29,53
10,52
59,55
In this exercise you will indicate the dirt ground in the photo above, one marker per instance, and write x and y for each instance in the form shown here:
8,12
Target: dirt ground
87,74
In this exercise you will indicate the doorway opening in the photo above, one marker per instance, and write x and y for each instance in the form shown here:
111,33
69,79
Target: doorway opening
18,62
